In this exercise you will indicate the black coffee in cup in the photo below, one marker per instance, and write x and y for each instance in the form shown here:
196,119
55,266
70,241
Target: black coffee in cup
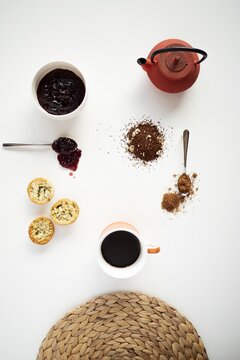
120,248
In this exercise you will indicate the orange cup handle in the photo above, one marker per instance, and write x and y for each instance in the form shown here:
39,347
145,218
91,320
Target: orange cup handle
153,250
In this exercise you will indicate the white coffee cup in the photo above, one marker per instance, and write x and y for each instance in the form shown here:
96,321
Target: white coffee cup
134,268
44,71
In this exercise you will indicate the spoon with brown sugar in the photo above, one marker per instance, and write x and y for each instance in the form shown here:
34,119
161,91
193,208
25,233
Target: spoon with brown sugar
184,183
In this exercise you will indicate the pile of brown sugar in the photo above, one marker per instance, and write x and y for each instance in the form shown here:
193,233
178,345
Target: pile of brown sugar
145,141
173,200
184,184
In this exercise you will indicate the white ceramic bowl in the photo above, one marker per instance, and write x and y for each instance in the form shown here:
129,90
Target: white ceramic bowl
45,70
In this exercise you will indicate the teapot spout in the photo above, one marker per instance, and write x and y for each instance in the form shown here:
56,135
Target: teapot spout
145,63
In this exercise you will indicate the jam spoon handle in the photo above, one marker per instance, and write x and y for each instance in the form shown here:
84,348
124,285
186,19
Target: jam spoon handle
23,144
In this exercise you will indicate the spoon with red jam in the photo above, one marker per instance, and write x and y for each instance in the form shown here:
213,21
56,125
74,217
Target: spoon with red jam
66,148
62,144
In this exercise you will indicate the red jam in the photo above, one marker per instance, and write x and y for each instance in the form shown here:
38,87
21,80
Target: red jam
68,152
70,160
64,145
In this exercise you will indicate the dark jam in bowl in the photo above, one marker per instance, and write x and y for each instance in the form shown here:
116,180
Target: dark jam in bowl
60,92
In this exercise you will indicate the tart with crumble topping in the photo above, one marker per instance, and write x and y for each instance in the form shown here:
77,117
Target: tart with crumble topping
40,191
64,212
41,230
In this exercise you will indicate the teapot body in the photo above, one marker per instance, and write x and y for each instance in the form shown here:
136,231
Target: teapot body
173,71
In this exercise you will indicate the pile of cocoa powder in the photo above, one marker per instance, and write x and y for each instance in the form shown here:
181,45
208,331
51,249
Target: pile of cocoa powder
172,201
145,141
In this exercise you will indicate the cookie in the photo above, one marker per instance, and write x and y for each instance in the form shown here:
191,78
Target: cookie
40,191
41,230
64,212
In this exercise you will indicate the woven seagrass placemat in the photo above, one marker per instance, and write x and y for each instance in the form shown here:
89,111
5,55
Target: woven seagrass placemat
123,325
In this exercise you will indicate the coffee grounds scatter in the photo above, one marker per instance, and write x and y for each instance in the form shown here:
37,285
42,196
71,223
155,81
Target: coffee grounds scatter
145,141
68,152
172,201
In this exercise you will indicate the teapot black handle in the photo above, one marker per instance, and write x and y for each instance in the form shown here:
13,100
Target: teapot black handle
180,48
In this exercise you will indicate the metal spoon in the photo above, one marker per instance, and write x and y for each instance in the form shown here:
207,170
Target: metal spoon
23,144
185,148
185,151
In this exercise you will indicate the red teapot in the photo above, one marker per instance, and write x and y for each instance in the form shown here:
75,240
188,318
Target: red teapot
173,65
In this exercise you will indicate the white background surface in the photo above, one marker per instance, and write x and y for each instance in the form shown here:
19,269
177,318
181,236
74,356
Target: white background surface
198,268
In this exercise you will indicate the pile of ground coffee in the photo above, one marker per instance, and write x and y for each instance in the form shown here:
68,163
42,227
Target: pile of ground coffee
145,141
173,200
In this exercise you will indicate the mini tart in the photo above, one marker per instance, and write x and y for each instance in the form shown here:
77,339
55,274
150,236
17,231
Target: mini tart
64,212
40,191
41,230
